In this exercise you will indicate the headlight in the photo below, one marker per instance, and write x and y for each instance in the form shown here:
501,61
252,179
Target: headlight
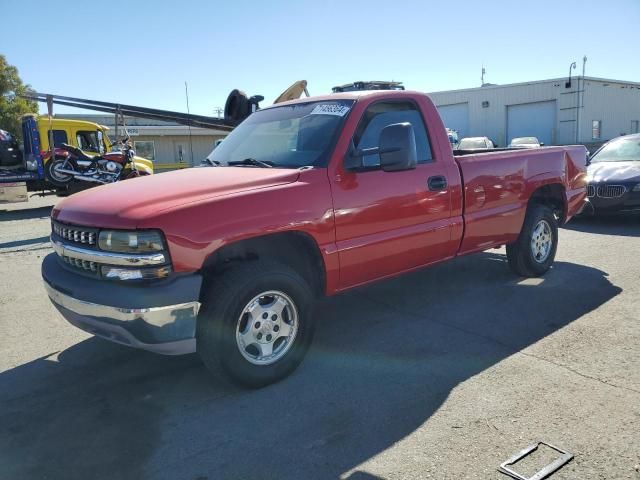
118,273
131,242
636,188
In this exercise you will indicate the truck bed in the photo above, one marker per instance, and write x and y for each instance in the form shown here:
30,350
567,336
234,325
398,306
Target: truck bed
499,183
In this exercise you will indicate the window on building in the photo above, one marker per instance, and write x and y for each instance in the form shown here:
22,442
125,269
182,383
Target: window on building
596,129
635,126
382,114
88,140
145,149
59,137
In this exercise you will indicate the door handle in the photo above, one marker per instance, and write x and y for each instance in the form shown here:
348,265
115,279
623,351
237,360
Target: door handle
439,182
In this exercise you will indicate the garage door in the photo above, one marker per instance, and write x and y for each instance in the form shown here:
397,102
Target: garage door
456,117
532,120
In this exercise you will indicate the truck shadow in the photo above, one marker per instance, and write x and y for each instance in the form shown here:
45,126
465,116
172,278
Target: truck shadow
26,242
25,213
384,360
628,226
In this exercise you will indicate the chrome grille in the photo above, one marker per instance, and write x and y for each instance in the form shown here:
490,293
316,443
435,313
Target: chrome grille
88,267
72,233
611,191
591,191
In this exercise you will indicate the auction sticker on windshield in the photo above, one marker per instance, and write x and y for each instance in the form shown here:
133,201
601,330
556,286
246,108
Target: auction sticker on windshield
330,109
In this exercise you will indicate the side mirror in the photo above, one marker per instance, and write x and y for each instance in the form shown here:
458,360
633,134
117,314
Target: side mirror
542,144
398,147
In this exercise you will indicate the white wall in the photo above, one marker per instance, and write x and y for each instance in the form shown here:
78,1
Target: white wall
616,104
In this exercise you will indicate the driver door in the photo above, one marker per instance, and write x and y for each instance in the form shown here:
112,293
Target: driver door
389,222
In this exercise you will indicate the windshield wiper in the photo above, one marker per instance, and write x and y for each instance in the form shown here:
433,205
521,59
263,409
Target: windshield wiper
252,162
213,163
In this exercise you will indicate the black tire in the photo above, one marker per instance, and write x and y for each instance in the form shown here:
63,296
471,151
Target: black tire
237,107
520,254
59,180
223,302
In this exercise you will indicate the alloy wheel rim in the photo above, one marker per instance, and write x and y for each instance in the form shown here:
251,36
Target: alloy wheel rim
267,327
541,241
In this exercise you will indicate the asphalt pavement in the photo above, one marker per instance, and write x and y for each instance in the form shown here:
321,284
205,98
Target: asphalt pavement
443,373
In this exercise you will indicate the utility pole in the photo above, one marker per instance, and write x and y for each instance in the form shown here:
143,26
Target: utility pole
580,99
186,93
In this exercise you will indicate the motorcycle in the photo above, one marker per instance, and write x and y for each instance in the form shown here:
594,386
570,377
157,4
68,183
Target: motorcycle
70,163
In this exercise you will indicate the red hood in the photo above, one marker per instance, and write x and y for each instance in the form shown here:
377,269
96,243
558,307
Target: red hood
125,204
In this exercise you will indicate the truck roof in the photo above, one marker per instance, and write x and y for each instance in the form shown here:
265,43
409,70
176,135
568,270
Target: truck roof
355,95
67,122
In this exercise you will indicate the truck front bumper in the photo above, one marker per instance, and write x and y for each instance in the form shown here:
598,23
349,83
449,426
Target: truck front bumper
159,316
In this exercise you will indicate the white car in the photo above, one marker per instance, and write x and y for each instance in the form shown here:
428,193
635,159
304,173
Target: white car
476,143
525,142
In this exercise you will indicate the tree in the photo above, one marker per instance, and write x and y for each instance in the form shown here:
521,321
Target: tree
12,106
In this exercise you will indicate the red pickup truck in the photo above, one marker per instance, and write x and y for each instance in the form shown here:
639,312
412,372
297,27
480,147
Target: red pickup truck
303,199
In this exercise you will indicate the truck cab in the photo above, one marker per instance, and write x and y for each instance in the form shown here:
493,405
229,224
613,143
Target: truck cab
87,136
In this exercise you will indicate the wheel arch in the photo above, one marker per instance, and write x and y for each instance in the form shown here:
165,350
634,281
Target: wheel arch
296,249
554,196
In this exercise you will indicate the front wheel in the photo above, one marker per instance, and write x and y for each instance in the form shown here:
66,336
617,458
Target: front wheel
54,175
256,323
535,250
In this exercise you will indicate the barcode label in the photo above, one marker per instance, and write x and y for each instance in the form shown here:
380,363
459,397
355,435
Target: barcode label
330,109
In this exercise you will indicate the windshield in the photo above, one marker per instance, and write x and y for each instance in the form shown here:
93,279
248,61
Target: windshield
620,150
472,143
524,141
290,136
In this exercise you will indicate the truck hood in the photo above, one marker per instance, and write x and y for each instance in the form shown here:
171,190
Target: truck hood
614,172
125,204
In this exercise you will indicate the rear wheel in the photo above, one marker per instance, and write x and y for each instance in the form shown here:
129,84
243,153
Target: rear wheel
54,175
256,323
535,250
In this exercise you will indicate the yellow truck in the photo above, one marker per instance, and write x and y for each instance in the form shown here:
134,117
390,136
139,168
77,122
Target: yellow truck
89,137
22,173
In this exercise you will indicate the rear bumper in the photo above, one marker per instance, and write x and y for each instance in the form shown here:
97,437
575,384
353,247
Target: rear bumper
159,317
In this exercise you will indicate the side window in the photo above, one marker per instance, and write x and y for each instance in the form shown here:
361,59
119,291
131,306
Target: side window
88,140
101,146
379,116
59,137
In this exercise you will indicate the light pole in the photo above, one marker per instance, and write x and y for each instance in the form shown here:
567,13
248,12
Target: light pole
572,66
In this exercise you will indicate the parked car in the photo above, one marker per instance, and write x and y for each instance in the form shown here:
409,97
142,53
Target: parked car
525,142
228,260
614,177
10,154
476,143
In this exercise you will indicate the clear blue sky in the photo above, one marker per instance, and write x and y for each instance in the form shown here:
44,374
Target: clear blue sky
142,52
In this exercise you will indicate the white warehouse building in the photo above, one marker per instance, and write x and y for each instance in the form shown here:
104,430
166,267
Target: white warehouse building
585,110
